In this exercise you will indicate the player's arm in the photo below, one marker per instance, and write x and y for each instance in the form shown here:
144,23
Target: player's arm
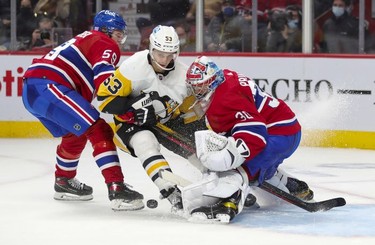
113,94
186,111
114,97
248,136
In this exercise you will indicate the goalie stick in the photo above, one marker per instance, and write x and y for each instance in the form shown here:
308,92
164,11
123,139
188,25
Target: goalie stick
190,146
308,206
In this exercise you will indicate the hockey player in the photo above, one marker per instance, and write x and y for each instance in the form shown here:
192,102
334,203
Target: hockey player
58,90
147,88
252,133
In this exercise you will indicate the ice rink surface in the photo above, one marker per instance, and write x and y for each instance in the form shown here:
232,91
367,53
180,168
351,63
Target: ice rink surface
29,214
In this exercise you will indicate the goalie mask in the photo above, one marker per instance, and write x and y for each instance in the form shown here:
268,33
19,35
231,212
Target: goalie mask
203,77
164,47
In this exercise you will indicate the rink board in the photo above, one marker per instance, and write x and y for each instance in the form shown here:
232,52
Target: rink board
331,95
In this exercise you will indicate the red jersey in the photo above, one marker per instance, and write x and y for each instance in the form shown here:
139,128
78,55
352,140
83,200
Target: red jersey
82,63
239,108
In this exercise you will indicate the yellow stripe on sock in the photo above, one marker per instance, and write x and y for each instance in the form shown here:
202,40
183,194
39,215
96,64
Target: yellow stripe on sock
156,166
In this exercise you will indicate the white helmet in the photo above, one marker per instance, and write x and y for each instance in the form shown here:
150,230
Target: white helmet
164,39
204,76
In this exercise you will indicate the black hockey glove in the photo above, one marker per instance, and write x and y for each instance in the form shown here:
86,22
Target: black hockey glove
145,116
139,111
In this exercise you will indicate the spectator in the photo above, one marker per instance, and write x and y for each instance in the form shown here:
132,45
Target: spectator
57,10
285,30
187,42
41,38
145,28
294,38
228,31
277,31
26,24
4,28
211,9
341,30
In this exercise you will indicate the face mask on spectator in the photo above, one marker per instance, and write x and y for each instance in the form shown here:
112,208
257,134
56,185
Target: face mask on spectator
338,11
293,24
228,11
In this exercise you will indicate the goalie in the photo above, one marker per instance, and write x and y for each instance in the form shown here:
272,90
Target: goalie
252,133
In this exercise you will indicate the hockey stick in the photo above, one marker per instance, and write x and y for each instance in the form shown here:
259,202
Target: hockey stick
175,137
308,206
183,142
174,178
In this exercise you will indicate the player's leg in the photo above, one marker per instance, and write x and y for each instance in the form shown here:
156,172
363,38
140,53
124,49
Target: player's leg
58,105
68,152
100,135
47,101
60,109
143,144
265,166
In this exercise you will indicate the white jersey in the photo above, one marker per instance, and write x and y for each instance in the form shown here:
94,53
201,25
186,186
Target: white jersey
144,79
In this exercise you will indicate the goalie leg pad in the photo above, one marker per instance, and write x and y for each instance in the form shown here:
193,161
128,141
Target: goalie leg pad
227,184
192,195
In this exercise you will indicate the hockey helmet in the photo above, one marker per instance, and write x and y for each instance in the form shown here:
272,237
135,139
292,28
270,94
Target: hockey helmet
108,21
203,76
164,39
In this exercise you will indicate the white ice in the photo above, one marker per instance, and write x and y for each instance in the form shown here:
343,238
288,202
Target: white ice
29,214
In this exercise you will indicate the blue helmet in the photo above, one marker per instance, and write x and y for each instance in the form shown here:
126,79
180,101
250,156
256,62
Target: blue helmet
108,21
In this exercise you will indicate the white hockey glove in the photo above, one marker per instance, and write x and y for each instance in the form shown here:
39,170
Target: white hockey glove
219,153
164,106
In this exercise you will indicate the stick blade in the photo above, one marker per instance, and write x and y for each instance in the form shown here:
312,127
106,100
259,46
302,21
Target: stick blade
327,204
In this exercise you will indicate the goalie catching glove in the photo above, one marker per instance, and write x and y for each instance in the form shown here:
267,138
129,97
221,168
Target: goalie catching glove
219,153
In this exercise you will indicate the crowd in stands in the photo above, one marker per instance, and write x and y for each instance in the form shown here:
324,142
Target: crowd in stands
43,24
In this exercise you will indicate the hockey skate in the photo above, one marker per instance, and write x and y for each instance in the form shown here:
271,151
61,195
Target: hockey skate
123,198
71,190
173,195
291,184
223,211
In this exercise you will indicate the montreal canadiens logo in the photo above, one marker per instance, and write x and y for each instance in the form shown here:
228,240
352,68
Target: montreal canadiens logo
196,71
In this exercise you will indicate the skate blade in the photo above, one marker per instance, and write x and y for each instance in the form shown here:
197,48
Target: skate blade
61,196
202,218
120,205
